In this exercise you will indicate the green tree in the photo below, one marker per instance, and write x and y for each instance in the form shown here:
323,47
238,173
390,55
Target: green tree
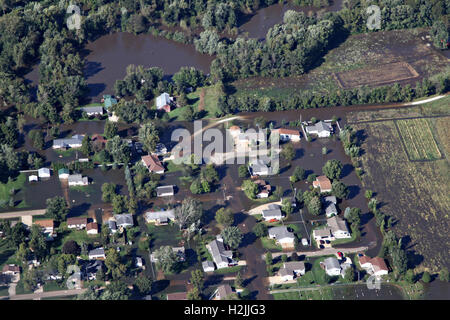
86,146
250,189
149,136
197,278
260,230
224,217
143,285
269,259
444,275
238,281
426,277
37,138
243,171
110,129
332,169
232,236
288,152
57,208
193,294
314,206
108,191
166,259
114,265
340,190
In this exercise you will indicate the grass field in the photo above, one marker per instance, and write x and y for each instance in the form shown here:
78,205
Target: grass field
316,294
418,139
17,184
413,192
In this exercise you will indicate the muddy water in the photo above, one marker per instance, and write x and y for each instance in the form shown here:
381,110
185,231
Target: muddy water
265,18
111,54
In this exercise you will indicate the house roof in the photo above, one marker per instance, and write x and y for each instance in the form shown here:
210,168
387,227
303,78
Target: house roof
124,219
92,226
162,100
98,109
44,170
271,213
45,223
63,171
378,264
337,224
76,220
97,252
11,268
177,296
290,132
158,215
224,291
324,232
323,182
319,127
331,199
330,209
207,264
285,272
234,128
164,189
294,265
281,233
98,138
218,252
363,259
152,163
75,140
77,178
331,263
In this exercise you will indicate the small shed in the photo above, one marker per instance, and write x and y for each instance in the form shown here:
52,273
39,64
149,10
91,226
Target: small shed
63,173
44,173
33,178
208,266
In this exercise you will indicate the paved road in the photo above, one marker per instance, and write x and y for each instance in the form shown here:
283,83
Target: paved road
50,294
18,214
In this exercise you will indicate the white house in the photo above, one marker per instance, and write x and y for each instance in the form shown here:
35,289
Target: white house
376,266
282,236
98,253
338,228
321,129
124,220
288,134
63,173
259,168
77,180
92,111
165,191
160,217
75,142
273,213
221,257
33,178
44,173
331,266
92,228
76,223
208,266
163,100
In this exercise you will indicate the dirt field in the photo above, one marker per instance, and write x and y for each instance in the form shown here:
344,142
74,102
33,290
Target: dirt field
416,192
380,75
374,59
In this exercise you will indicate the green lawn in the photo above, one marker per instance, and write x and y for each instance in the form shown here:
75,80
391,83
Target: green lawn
79,236
270,244
169,235
3,291
172,167
54,286
7,252
17,183
66,153
228,270
20,289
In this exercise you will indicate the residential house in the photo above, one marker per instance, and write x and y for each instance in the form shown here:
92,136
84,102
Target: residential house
92,111
331,210
177,296
76,223
165,191
74,142
11,269
321,129
264,189
91,268
282,236
235,131
338,228
77,180
273,213
331,266
323,183
47,226
44,173
124,220
164,102
208,266
288,134
92,228
63,174
376,266
220,256
259,168
179,252
223,292
292,269
323,234
139,262
112,226
160,217
152,163
98,253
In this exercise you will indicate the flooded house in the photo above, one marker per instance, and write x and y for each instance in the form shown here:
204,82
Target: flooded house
63,173
376,266
44,173
264,189
75,142
165,191
321,129
288,134
220,256
273,213
160,217
77,180
124,220
76,223
208,266
92,111
323,183
97,254
152,163
108,101
48,228
292,269
92,228
164,102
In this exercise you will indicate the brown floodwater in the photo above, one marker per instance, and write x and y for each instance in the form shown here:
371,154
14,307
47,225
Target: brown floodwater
266,18
110,55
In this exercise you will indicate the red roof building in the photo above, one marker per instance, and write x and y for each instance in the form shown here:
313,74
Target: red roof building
152,163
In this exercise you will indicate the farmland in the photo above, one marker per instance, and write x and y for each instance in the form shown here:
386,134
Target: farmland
371,59
410,156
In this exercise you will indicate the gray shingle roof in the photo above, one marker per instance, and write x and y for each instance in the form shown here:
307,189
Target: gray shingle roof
280,233
124,220
218,252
